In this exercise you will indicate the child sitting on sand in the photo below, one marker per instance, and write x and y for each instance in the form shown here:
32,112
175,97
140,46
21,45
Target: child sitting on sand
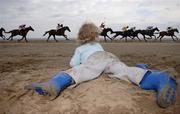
90,60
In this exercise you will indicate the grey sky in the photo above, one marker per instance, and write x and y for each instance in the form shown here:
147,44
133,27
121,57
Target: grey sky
43,15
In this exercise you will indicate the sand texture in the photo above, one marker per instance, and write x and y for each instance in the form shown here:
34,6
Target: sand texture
23,63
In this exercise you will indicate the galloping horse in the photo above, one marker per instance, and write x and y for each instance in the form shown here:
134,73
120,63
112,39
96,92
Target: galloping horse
22,33
135,34
129,33
168,33
1,33
117,33
126,34
60,32
149,33
104,33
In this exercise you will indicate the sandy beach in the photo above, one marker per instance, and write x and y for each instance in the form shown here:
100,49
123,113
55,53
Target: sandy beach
23,63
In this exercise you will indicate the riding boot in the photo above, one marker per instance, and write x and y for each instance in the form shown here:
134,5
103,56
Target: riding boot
53,87
161,82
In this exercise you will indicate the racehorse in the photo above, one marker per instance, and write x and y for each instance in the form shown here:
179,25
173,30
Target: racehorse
148,33
104,33
22,33
168,33
1,33
135,34
60,32
117,33
126,34
129,33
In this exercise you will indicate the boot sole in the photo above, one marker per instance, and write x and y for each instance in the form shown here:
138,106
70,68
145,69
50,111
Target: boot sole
166,96
44,90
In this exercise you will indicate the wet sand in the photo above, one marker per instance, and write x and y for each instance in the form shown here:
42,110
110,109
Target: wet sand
23,63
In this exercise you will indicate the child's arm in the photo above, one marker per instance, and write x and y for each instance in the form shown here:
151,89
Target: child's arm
75,60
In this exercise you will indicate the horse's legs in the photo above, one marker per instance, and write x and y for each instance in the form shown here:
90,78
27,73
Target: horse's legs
114,36
2,37
150,36
144,38
109,37
105,39
10,37
48,38
157,37
176,37
21,38
172,38
65,36
121,38
161,37
55,38
154,36
126,39
133,38
25,39
138,38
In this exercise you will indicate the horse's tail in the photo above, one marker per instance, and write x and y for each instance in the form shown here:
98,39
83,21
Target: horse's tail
45,33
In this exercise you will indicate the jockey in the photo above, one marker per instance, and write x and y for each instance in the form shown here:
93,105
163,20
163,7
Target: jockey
149,28
22,27
101,27
169,28
125,28
59,26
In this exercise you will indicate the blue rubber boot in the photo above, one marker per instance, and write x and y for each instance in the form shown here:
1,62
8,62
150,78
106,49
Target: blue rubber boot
164,84
53,87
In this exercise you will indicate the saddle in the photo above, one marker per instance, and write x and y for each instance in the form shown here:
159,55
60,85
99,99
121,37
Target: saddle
58,29
21,31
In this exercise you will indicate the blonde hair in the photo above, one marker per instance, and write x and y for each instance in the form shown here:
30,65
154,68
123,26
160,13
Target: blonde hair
87,33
